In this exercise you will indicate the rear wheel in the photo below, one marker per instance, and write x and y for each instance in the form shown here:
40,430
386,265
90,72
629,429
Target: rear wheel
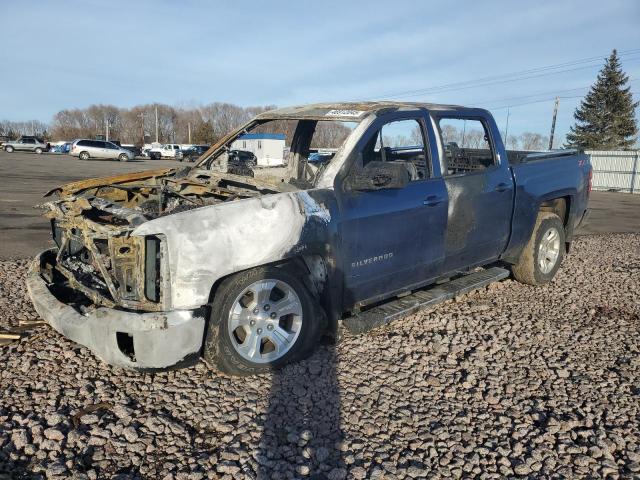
123,157
8,149
84,156
543,254
260,320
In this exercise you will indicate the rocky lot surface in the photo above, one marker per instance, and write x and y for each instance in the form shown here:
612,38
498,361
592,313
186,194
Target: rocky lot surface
508,381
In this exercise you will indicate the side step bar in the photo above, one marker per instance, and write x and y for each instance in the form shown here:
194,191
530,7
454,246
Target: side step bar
432,295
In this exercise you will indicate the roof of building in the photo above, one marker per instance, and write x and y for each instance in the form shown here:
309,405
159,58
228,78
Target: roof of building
262,136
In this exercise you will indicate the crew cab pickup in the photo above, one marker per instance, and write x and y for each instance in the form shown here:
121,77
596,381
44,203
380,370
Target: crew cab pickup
170,150
414,204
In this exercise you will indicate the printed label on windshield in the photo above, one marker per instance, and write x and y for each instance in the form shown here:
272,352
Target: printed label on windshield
344,113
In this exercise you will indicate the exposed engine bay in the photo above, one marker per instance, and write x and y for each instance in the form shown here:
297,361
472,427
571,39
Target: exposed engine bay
93,220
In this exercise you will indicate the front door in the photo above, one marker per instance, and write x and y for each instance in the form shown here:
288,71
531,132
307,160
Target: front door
26,144
393,239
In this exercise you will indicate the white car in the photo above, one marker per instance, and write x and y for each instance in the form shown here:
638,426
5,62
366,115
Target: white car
166,151
86,149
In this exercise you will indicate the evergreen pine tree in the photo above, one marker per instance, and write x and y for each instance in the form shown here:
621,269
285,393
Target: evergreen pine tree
606,119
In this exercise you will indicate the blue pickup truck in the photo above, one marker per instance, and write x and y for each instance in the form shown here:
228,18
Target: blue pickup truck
409,204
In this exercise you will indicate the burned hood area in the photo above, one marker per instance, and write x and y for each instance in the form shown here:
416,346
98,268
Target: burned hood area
92,221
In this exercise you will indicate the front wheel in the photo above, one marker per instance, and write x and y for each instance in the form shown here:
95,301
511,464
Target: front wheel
84,156
261,320
123,157
543,254
8,149
38,150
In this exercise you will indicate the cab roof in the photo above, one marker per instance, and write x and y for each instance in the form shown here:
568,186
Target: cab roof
348,111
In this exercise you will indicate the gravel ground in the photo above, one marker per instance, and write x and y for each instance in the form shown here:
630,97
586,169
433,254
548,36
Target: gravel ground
508,381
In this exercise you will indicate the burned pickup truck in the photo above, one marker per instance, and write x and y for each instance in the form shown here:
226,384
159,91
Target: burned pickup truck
408,205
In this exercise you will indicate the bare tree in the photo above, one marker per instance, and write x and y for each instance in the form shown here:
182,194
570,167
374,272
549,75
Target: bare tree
512,142
474,139
451,134
330,135
533,141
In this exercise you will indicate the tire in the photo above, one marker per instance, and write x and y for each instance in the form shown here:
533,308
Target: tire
38,151
8,149
245,293
84,156
123,157
544,252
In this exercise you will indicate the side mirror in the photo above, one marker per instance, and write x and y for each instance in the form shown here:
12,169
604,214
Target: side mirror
378,176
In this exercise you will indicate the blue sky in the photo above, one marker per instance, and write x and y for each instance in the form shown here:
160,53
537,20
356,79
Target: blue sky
70,54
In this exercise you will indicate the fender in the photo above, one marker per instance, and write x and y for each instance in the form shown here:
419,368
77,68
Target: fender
208,243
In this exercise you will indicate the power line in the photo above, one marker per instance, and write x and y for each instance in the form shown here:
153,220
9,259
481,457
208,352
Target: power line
508,77
554,93
510,80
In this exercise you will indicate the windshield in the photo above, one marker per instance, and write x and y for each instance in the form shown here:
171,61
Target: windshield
277,151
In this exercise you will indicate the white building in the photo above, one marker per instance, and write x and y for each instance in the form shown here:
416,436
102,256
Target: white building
267,147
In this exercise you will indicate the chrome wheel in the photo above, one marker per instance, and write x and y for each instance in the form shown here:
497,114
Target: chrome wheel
265,320
549,250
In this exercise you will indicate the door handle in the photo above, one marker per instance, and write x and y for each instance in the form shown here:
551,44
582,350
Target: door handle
432,201
501,187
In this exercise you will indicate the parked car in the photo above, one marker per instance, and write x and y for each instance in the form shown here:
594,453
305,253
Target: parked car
252,271
170,150
192,153
85,149
27,144
241,162
242,157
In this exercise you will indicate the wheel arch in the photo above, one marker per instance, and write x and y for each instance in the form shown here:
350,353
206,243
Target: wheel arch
312,270
561,206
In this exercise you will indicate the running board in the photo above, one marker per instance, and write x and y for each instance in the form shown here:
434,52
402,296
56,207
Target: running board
432,295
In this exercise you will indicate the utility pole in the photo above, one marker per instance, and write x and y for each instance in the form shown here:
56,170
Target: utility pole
189,129
553,122
106,122
142,130
157,125
506,129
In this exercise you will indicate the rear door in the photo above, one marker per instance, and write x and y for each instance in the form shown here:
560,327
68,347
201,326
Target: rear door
392,239
479,188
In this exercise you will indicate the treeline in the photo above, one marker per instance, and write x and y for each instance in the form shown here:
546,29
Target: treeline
200,125
207,124
14,130
474,138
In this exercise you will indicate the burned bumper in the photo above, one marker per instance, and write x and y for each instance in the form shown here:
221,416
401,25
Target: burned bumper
123,338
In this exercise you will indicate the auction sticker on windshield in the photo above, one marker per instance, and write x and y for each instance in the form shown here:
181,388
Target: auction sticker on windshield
344,113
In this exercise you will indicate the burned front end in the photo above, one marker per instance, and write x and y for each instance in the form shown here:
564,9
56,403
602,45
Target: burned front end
99,258
108,289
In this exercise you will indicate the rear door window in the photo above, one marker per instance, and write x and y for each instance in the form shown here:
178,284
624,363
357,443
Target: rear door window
466,144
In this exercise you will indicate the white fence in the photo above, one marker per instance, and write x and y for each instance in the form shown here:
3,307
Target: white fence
616,170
